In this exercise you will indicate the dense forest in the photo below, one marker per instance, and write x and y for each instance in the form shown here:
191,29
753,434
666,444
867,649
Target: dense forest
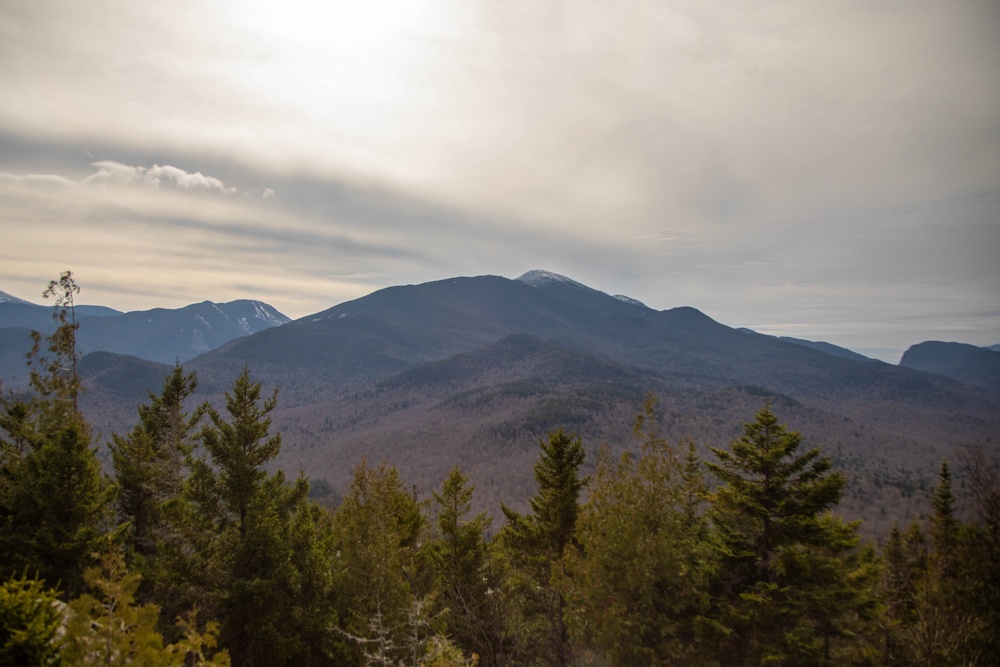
191,550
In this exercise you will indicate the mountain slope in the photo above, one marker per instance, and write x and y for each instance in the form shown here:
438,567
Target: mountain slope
829,348
974,366
160,335
364,341
472,371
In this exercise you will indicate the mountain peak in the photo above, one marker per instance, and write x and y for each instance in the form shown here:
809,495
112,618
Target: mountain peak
10,298
540,277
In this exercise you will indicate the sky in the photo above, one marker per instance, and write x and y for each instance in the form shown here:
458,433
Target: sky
824,170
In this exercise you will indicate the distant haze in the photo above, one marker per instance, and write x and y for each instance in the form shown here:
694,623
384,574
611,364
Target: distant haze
826,171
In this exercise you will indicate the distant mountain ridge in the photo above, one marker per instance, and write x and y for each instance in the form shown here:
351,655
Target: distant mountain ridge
828,348
971,365
161,335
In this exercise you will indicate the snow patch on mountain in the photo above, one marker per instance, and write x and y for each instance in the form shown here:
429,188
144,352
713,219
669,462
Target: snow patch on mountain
629,300
540,277
198,342
10,298
267,314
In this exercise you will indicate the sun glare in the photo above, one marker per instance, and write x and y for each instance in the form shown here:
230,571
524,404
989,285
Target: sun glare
350,71
345,26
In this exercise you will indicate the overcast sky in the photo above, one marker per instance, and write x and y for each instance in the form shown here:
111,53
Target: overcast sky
826,170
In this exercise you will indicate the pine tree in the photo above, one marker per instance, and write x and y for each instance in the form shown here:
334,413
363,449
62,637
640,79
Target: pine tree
149,460
460,559
536,541
149,467
258,546
636,586
945,625
944,529
57,508
792,577
30,621
53,506
378,567
982,476
242,446
108,626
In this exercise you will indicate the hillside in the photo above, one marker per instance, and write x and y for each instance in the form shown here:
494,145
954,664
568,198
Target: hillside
974,366
474,370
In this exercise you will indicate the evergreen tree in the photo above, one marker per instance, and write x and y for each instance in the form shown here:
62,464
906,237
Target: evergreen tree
30,620
379,574
241,446
460,559
982,552
149,470
57,510
536,541
257,541
54,371
946,625
108,626
793,579
54,497
944,529
636,585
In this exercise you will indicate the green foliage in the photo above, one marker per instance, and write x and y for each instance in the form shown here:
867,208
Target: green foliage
535,542
939,588
194,646
54,497
792,578
54,373
378,567
460,559
242,446
149,466
108,626
637,583
56,509
259,541
30,618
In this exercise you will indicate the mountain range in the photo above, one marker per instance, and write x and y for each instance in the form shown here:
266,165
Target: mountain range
471,371
160,334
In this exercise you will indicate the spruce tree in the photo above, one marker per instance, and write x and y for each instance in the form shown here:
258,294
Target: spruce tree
58,510
460,559
30,623
535,542
258,544
636,585
149,467
378,567
54,501
792,577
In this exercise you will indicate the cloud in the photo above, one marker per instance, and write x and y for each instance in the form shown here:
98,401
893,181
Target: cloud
110,172
797,163
37,180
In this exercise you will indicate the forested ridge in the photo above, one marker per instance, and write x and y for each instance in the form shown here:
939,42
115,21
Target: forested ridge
191,551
